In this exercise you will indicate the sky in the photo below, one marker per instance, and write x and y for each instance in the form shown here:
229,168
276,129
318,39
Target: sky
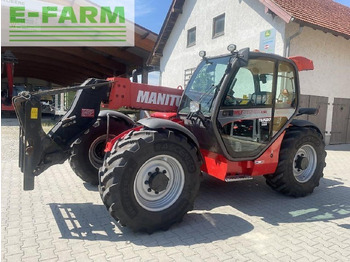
151,13
343,2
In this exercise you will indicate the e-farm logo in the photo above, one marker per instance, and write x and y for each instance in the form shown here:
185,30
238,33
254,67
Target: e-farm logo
68,23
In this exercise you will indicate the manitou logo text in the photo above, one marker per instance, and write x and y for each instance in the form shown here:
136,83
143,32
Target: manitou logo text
157,98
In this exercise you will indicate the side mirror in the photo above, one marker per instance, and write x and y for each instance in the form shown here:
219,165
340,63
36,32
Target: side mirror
195,111
243,56
307,111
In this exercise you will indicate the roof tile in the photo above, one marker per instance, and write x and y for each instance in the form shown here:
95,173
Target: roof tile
322,13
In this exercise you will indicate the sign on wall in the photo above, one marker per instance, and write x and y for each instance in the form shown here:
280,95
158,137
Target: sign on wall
67,23
268,41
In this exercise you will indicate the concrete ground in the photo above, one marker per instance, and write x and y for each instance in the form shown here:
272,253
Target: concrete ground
63,219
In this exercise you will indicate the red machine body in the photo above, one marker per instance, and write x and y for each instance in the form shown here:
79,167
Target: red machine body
6,104
302,63
8,60
125,93
220,167
235,120
165,100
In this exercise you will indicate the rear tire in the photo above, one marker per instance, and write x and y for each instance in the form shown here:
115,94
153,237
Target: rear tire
150,179
301,163
88,150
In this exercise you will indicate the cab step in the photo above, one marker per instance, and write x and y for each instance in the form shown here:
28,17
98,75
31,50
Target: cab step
238,178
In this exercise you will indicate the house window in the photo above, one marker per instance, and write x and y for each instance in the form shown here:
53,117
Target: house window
219,25
191,37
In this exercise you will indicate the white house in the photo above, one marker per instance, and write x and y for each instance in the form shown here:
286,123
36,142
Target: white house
316,29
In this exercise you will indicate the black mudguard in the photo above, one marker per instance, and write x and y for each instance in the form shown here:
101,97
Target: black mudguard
305,123
117,115
157,123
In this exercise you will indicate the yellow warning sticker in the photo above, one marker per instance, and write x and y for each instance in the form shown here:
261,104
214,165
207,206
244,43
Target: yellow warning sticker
245,100
34,113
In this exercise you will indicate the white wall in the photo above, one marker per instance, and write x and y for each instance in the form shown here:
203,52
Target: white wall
244,20
331,57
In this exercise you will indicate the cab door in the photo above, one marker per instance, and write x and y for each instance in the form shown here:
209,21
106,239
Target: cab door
258,101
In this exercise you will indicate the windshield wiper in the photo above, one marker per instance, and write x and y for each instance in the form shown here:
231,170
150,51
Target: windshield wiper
206,93
214,96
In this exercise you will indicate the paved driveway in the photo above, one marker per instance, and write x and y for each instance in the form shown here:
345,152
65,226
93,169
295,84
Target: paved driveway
63,219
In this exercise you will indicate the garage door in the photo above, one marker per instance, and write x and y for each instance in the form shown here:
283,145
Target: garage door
340,133
319,102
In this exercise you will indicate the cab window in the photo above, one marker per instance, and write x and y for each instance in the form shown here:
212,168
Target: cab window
252,85
285,96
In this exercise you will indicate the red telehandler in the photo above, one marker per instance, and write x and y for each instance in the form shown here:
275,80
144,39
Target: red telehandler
8,61
234,121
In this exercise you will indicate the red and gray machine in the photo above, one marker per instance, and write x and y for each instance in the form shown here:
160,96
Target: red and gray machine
8,61
235,120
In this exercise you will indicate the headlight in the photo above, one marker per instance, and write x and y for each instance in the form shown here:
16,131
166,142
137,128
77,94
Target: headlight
194,107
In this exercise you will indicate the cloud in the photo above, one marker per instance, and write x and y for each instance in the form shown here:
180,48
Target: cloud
143,7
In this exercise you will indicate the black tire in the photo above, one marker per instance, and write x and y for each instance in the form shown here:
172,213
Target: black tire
133,161
301,162
88,150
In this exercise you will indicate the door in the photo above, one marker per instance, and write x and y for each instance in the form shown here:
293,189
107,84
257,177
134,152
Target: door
319,102
258,102
340,133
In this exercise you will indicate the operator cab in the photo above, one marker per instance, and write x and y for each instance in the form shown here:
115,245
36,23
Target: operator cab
236,105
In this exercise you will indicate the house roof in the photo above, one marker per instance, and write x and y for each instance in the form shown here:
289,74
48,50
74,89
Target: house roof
324,15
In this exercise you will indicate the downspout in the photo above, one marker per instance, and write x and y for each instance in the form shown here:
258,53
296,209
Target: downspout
289,39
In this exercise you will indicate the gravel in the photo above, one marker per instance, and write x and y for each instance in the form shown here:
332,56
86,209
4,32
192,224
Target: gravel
9,139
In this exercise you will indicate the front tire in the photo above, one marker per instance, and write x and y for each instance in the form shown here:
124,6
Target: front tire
88,150
150,179
301,163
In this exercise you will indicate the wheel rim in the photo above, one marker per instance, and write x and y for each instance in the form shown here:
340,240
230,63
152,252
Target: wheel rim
165,172
96,151
305,163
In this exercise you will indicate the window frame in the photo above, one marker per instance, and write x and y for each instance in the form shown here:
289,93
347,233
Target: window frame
193,29
215,19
